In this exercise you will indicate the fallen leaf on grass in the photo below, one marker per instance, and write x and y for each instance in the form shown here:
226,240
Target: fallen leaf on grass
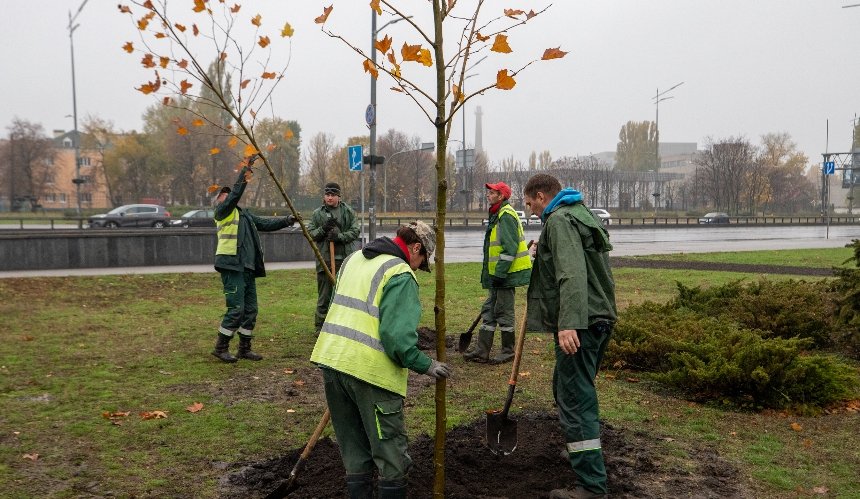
525,374
115,417
289,371
298,382
153,415
291,410
609,376
820,490
195,407
31,457
796,427
26,337
807,443
632,380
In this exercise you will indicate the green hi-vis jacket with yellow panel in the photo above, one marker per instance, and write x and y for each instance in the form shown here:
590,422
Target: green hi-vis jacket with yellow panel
506,255
369,332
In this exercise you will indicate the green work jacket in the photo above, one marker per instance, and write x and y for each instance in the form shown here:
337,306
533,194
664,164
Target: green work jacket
571,283
347,222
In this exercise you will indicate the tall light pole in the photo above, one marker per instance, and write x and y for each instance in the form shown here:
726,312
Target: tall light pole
372,159
75,139
658,98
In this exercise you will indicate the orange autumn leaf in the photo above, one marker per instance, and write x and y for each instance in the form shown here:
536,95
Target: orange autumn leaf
287,30
425,58
396,89
198,122
147,61
553,54
223,55
32,457
235,8
123,9
167,101
244,83
182,131
270,147
410,52
500,44
195,407
530,15
383,45
391,58
512,12
268,76
184,86
250,149
142,24
180,27
114,415
152,86
232,142
160,35
195,29
153,414
503,81
212,188
796,427
264,41
288,134
369,68
458,96
128,47
374,4
481,38
182,64
199,5
164,61
256,20
326,11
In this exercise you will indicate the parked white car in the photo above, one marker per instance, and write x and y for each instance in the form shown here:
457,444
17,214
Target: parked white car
604,215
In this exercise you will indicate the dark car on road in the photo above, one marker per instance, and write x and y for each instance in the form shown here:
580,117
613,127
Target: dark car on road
132,215
195,218
715,217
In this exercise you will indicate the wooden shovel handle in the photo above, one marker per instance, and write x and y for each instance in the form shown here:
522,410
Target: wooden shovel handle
331,257
515,369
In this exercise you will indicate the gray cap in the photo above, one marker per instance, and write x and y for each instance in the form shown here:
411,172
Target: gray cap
428,239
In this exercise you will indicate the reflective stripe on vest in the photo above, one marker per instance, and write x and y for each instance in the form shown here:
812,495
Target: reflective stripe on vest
349,340
228,234
521,260
584,445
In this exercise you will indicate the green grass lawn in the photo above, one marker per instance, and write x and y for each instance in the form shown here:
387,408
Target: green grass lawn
76,348
819,258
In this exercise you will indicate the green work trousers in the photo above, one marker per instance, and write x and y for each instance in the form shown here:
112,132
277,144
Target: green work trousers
240,292
324,290
368,423
576,397
498,310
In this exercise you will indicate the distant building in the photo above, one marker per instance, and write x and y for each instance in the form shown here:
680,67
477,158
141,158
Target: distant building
59,192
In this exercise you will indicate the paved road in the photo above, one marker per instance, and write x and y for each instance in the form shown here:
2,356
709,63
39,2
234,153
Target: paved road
465,246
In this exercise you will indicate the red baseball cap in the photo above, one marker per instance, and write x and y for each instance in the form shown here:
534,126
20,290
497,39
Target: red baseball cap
501,187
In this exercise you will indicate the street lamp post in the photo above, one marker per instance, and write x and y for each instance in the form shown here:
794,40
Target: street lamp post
372,159
659,97
75,139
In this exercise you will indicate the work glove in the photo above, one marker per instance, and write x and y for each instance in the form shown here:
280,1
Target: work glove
329,225
438,370
497,282
291,220
333,233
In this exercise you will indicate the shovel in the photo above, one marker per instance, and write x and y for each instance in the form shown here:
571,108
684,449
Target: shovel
288,486
466,338
501,430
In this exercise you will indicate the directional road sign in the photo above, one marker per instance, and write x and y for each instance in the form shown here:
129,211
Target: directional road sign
355,156
829,167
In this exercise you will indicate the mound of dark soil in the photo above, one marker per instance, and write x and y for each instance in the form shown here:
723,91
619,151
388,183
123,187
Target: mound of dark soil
633,463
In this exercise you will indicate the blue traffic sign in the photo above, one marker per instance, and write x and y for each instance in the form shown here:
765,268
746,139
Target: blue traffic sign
370,115
355,156
829,167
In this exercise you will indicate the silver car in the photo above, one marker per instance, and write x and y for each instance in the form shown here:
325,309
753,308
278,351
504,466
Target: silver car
132,215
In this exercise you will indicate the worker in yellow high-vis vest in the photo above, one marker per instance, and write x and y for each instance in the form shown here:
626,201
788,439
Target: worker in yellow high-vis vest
507,265
367,345
239,260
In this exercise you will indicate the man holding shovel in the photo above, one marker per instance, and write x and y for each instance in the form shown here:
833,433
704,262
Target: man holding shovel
366,348
572,295
334,222
506,266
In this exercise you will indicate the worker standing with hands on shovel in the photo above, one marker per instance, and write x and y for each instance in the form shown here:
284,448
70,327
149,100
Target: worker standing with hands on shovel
506,266
366,348
572,295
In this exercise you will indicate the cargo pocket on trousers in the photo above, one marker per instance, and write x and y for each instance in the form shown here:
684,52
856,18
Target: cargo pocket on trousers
389,419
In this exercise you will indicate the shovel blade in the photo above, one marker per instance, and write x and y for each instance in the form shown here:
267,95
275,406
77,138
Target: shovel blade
465,341
501,433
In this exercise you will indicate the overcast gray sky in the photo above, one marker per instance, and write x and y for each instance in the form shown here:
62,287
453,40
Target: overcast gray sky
748,67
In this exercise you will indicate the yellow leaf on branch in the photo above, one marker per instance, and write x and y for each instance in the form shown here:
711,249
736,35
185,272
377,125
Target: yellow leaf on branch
409,52
250,149
256,20
287,30
232,142
163,61
182,131
383,45
374,4
214,151
198,122
458,96
500,44
504,81
425,58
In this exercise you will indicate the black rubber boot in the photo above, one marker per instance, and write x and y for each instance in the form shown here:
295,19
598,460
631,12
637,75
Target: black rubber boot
481,352
222,351
507,353
392,489
245,349
360,486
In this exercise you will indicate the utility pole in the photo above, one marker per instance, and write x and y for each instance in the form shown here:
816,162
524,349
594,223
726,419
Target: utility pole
658,98
75,137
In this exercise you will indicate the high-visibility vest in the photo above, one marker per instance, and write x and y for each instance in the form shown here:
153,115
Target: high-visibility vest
521,260
228,234
349,340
